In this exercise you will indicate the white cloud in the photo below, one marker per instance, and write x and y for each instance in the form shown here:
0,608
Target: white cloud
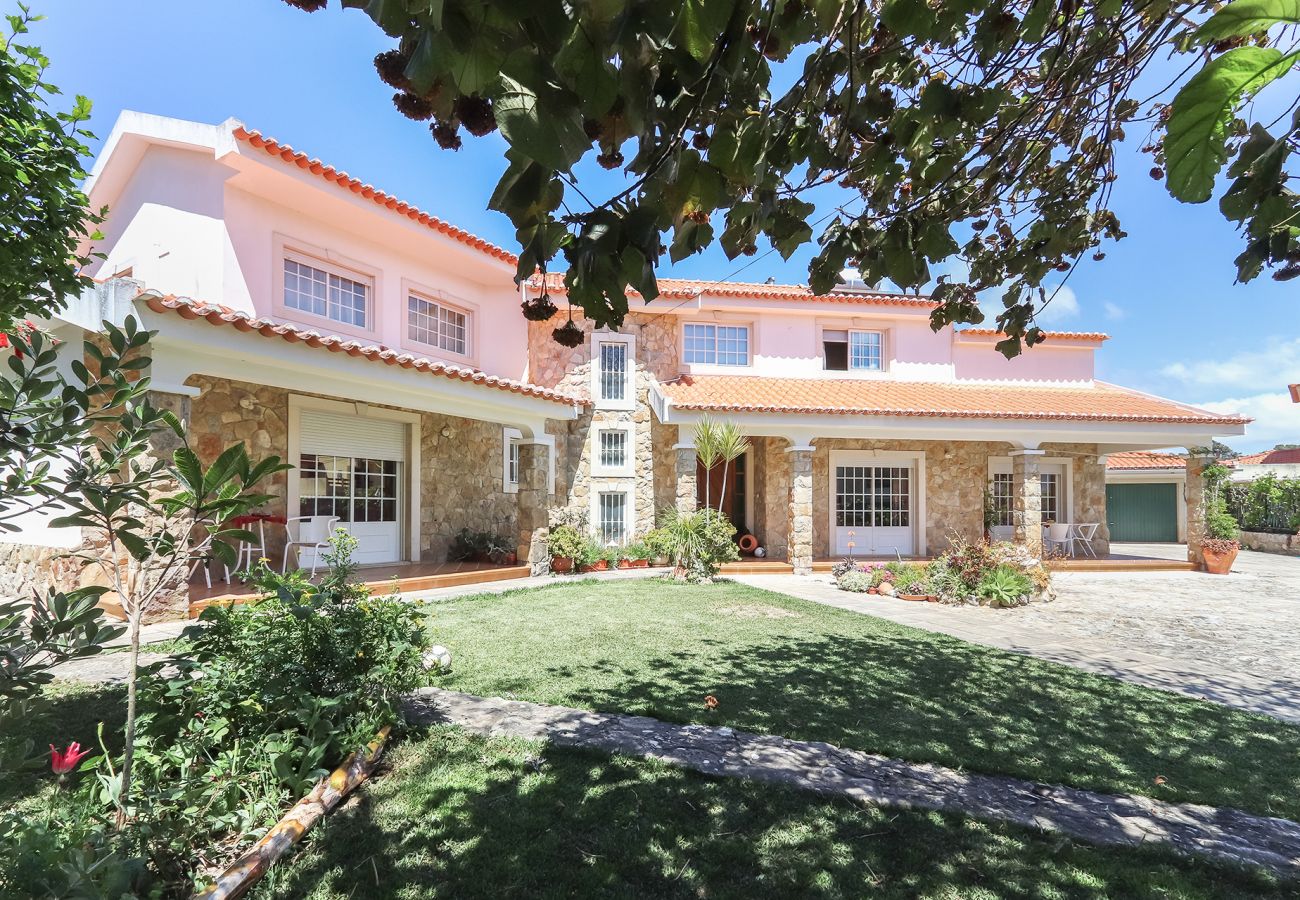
1062,305
1276,363
1114,312
1277,420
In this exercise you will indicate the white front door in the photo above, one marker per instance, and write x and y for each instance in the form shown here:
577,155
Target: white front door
353,467
874,504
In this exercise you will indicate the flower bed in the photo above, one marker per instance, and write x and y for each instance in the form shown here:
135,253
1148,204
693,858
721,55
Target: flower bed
998,574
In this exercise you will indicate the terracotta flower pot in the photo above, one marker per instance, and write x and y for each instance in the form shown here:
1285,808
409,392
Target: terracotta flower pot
640,563
562,564
915,597
1219,563
625,563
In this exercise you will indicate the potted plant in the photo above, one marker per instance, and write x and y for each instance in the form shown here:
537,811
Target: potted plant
1220,548
592,558
658,546
565,544
623,557
638,554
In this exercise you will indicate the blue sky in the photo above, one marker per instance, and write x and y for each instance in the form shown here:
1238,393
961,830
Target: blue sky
1180,327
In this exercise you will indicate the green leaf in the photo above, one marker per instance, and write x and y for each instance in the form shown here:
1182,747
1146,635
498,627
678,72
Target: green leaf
1246,17
550,133
700,23
1197,130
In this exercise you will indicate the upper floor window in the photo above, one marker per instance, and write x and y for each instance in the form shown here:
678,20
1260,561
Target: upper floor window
437,325
329,294
723,345
858,351
613,370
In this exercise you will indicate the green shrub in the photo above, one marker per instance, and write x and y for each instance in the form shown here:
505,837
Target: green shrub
1004,586
946,582
855,580
909,578
566,541
699,542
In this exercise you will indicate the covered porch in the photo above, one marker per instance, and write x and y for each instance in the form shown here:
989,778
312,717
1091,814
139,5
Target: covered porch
820,485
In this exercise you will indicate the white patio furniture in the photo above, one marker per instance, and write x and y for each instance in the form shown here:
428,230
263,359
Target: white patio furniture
1059,535
310,532
248,552
1084,533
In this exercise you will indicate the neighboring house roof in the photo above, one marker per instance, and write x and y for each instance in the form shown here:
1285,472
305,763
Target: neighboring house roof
1295,393
310,164
1267,458
688,289
221,315
1130,460
1099,402
1060,335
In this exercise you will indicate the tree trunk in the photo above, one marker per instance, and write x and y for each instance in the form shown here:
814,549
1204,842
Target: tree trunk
128,750
722,487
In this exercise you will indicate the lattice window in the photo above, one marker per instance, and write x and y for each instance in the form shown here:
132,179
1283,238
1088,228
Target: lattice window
612,517
723,345
512,463
352,488
865,350
1049,485
873,495
326,294
436,325
1003,490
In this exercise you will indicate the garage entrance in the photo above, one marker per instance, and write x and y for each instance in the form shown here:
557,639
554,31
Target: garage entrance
1142,512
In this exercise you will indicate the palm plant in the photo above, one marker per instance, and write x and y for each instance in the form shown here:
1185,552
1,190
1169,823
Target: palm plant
718,443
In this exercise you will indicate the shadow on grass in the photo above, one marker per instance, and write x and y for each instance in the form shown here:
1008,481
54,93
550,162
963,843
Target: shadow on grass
68,711
462,816
867,684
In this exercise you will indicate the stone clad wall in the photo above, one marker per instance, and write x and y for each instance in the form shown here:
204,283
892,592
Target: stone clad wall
1267,542
569,369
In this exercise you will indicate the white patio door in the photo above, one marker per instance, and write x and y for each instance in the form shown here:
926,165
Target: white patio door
354,467
874,506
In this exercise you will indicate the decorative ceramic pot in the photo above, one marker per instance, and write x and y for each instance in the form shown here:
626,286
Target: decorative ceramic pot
1217,563
562,564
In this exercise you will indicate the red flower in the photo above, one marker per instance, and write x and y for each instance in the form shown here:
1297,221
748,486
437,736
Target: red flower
65,762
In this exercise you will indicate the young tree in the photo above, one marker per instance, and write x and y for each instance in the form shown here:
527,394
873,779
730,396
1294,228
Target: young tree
146,515
44,211
985,130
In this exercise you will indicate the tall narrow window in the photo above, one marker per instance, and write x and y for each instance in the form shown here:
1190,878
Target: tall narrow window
613,370
436,325
613,448
612,523
512,463
723,345
326,294
1002,491
857,351
1050,497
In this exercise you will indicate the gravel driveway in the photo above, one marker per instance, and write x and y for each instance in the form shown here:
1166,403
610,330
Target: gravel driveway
1234,639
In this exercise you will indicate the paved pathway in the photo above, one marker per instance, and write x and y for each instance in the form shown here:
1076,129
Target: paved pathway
1233,639
1120,820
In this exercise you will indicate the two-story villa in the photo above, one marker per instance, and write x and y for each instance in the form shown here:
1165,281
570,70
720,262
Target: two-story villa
381,350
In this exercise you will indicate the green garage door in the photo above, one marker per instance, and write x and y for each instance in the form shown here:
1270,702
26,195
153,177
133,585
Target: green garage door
1142,512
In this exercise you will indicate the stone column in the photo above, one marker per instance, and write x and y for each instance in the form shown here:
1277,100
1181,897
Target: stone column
800,543
1026,500
1090,499
534,468
687,496
1196,501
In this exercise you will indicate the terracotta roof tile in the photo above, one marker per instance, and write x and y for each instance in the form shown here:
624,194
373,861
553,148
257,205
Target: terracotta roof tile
1268,458
687,289
216,314
284,152
1145,459
825,396
1062,335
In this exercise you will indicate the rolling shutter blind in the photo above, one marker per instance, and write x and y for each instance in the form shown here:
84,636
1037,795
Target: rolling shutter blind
334,434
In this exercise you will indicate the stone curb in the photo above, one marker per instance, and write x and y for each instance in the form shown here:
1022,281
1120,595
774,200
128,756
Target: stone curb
1107,819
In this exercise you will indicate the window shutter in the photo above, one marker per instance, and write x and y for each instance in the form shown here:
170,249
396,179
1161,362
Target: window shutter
336,434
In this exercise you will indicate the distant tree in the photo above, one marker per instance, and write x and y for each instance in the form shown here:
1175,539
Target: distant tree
44,214
1220,450
984,130
1286,446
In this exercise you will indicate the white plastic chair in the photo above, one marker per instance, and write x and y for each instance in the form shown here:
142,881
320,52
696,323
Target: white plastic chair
307,531
1059,535
248,552
1084,535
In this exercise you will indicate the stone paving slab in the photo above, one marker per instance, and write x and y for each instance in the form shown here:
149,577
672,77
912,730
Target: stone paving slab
1110,820
1230,639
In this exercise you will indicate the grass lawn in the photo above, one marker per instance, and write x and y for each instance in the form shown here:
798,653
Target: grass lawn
785,666
466,817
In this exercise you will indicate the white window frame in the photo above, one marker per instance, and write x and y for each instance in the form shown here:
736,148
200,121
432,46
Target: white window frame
599,339
1001,465
447,301
333,264
511,438
598,468
629,509
849,331
715,325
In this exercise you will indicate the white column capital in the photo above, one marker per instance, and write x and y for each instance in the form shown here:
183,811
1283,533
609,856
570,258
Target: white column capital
1026,451
800,446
